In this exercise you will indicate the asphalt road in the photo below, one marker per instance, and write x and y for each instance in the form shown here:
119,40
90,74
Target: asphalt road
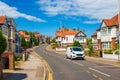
66,69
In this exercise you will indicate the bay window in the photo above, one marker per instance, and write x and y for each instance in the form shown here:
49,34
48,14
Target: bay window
106,45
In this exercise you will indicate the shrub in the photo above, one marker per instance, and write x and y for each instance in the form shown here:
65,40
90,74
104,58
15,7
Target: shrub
3,43
108,51
54,45
77,44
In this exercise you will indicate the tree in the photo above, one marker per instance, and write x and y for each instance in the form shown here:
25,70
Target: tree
90,46
53,40
74,29
54,43
77,44
3,45
23,42
78,29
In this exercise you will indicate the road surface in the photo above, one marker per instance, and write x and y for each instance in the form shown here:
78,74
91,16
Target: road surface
66,69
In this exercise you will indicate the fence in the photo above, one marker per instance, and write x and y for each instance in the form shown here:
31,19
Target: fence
110,56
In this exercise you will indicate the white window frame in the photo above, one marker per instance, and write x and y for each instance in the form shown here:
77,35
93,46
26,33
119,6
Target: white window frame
106,45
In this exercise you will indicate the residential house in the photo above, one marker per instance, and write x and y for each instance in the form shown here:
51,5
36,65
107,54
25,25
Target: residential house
25,35
106,34
8,27
18,45
81,38
65,37
11,38
94,41
37,36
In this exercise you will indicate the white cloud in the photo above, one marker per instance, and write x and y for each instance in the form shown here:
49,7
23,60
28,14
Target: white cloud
13,12
93,9
92,21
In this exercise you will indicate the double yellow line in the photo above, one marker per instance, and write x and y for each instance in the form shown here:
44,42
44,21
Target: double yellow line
49,72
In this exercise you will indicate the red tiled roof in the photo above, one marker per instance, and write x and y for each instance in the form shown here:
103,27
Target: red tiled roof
36,34
94,35
111,22
22,33
2,19
58,33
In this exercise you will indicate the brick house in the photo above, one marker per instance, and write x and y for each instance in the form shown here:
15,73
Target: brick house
81,38
106,34
8,27
65,37
26,36
94,40
37,36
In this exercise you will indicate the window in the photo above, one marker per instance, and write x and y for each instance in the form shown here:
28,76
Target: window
106,45
109,30
95,46
105,30
66,38
77,49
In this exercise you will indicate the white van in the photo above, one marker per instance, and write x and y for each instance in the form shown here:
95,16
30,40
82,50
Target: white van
75,52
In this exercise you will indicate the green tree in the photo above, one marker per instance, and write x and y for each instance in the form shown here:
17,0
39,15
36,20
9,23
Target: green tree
90,46
53,40
23,42
74,29
77,44
3,45
54,43
28,44
78,29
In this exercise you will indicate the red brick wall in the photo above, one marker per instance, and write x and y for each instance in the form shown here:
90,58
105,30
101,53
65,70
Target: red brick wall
113,43
99,44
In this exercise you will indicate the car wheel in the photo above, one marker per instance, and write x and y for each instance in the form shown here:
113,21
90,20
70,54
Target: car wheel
83,58
71,57
66,57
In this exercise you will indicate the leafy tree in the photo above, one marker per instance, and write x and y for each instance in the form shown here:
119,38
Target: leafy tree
23,42
48,39
3,45
78,29
74,29
90,46
53,40
91,49
54,45
77,44
28,44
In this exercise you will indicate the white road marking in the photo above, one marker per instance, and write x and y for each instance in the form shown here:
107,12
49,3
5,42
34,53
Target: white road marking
99,72
78,63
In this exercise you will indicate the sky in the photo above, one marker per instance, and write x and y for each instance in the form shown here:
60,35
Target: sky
47,16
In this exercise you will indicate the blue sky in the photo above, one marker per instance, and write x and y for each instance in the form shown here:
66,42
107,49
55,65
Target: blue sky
46,16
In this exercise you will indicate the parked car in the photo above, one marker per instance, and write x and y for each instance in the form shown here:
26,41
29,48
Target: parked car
75,52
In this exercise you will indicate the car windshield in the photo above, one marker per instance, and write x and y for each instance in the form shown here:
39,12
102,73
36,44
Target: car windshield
77,49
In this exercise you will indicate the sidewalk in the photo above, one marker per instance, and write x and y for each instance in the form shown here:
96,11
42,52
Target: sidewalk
96,59
32,69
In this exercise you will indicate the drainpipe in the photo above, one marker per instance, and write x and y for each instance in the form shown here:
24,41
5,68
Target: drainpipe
119,27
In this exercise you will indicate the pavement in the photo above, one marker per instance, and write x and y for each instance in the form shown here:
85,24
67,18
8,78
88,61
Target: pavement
31,69
112,62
